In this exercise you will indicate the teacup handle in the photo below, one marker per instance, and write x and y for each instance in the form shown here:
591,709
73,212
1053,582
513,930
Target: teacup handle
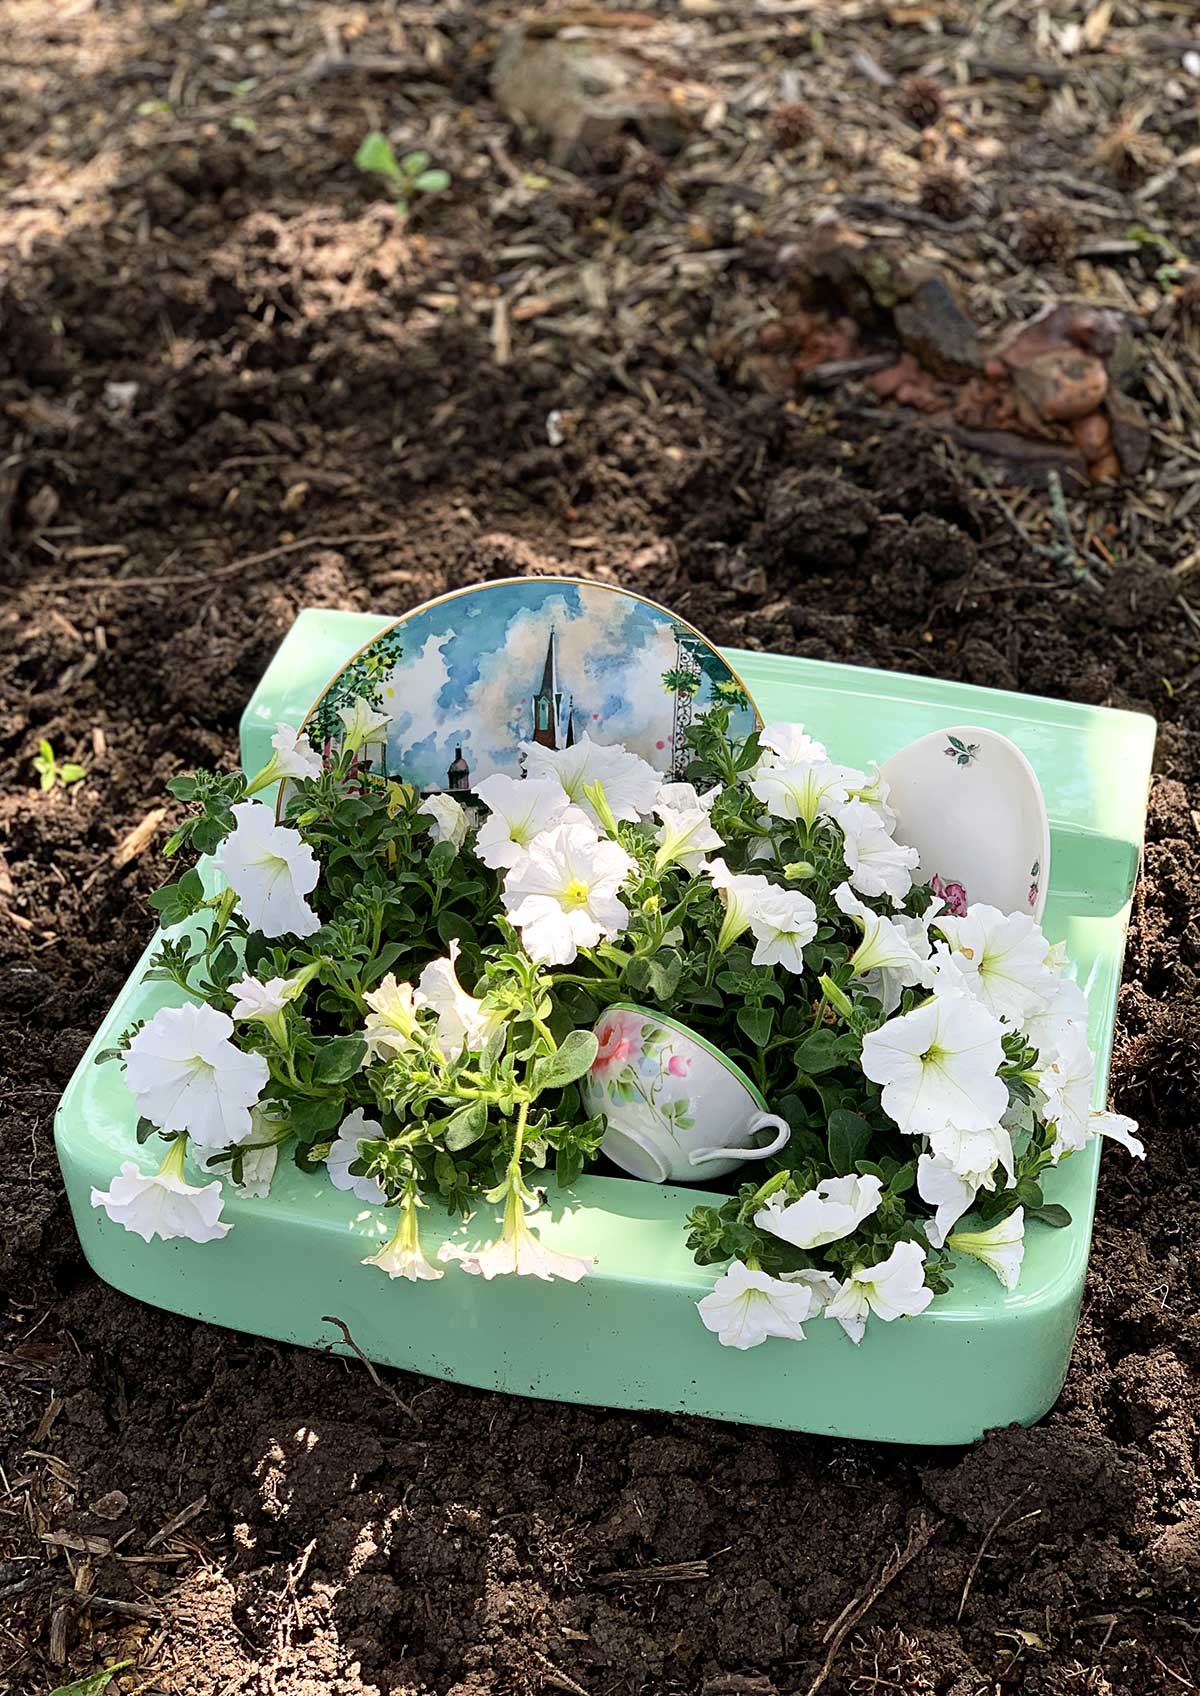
760,1122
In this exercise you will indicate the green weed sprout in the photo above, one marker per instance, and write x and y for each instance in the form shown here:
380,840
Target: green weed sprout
405,177
50,772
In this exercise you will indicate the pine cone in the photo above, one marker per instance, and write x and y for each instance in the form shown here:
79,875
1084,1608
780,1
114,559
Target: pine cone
945,191
794,124
920,100
1047,237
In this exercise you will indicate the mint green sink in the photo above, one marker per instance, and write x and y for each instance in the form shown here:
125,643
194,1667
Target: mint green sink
628,1336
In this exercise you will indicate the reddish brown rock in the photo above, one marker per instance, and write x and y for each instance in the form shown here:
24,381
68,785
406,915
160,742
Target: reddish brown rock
1062,384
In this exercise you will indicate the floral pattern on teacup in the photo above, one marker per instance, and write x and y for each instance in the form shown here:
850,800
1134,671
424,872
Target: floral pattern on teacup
953,894
634,1061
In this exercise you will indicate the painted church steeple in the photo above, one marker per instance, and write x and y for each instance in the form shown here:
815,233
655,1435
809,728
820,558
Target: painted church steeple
548,729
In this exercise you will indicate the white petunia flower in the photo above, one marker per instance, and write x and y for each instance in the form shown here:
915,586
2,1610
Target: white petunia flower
894,1288
629,783
392,1021
742,894
450,822
402,1257
1065,1006
186,1075
824,1287
162,1204
835,1208
1001,958
782,922
518,810
271,869
803,789
1001,1247
686,832
462,1021
890,948
294,754
361,722
356,1129
683,797
265,1002
258,1164
1068,1081
938,1066
746,1306
791,742
974,1151
1121,1129
563,896
877,863
517,1250
951,1192
874,794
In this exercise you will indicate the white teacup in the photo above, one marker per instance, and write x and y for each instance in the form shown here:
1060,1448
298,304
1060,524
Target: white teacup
678,1111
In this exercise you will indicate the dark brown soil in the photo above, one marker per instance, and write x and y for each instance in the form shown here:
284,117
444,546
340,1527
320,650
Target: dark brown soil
309,374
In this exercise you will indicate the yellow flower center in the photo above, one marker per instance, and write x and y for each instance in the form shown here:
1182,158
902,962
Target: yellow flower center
575,895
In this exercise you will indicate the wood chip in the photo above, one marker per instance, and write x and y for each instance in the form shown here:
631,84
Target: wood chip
182,1518
134,844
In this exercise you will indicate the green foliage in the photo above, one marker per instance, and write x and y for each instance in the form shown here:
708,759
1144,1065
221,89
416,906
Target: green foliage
93,1683
412,174
50,771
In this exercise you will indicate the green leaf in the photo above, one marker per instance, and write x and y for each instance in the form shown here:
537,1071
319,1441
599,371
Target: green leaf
756,1022
567,1063
375,154
1050,1214
466,1126
849,1139
819,1052
1029,1193
93,1684
904,1179
311,1120
429,182
179,900
413,164
666,969
338,1059
70,773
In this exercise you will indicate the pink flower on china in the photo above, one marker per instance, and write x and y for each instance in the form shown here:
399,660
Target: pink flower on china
953,894
678,1066
618,1046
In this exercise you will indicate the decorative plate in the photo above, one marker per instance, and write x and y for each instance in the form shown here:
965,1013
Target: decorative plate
466,679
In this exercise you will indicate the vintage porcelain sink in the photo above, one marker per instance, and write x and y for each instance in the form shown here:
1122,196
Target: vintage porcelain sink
628,1336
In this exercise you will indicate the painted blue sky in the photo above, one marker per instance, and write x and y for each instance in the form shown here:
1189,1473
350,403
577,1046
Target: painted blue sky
472,664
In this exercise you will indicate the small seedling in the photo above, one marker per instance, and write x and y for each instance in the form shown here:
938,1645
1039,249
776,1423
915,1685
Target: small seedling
50,772
93,1684
405,177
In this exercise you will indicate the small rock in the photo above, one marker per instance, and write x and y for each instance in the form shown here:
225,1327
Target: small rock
113,1505
1092,436
1130,431
581,93
934,327
1063,384
119,397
